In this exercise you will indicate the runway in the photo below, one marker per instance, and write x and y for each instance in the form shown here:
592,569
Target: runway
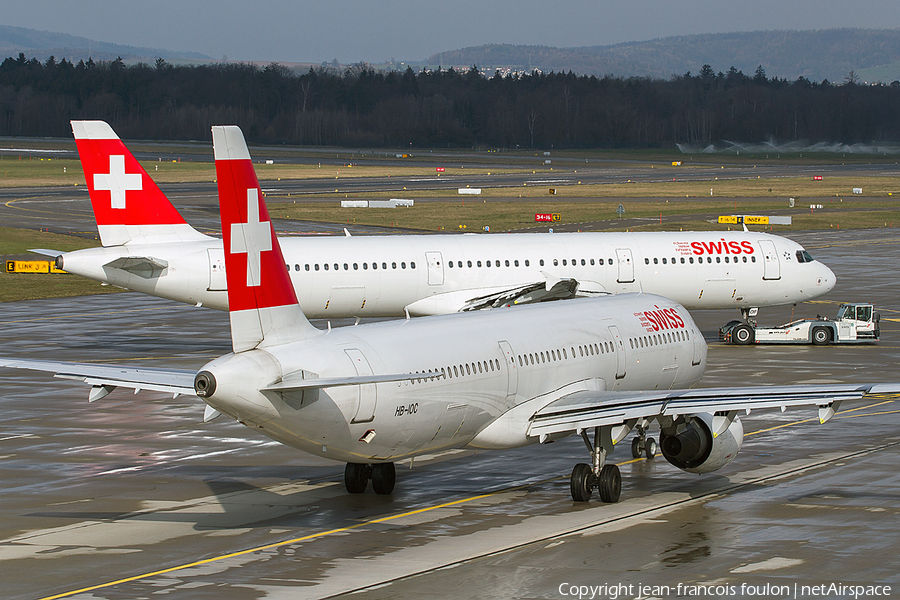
134,497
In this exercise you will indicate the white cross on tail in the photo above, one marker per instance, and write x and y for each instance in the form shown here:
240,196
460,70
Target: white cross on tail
252,238
117,181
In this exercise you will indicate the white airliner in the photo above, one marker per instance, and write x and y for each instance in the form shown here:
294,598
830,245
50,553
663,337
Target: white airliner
148,247
372,394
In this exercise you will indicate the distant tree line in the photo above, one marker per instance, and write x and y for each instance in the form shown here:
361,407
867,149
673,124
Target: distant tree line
361,107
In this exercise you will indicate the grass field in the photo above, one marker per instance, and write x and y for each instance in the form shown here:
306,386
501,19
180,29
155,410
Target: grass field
39,172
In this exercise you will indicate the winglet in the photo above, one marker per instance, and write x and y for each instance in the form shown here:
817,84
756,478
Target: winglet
261,299
128,205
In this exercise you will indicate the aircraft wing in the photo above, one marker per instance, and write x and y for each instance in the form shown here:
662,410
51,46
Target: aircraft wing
585,409
105,378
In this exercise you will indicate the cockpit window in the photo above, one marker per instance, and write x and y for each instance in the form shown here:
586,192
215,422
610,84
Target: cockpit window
804,257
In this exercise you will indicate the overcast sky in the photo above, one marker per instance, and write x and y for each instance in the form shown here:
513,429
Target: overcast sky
376,31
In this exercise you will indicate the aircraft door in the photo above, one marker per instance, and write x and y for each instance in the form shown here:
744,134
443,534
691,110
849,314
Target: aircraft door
217,281
512,373
435,268
619,345
365,406
698,343
771,266
626,265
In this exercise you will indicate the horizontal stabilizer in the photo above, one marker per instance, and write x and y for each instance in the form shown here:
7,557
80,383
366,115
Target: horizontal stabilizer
172,381
585,409
296,383
142,266
46,252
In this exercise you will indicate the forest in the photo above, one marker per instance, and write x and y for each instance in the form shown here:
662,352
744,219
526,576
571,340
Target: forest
362,107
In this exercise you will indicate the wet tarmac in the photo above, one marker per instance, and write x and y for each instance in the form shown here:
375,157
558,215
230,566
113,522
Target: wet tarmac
134,497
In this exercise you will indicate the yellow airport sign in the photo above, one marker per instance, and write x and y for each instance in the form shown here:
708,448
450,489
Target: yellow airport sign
31,266
748,219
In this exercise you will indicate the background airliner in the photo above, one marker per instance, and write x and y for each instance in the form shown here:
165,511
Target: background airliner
148,247
372,394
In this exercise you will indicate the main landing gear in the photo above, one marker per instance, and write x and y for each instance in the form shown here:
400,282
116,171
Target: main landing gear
357,476
606,478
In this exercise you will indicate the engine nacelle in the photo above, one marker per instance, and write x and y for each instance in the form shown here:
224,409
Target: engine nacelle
689,443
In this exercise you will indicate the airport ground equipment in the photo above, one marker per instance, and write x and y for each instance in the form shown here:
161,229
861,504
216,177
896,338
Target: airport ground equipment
855,323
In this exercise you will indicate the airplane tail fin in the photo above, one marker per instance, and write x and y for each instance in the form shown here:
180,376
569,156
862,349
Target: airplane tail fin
128,205
261,300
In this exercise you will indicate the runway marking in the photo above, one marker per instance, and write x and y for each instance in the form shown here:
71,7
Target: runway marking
388,518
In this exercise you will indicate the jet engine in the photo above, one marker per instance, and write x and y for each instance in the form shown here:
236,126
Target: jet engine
689,443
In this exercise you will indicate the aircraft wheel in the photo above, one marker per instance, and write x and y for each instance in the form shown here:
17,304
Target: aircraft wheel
742,335
384,476
610,484
651,448
581,483
821,336
636,450
356,477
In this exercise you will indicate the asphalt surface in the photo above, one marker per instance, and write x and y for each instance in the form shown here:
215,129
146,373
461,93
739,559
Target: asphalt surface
134,497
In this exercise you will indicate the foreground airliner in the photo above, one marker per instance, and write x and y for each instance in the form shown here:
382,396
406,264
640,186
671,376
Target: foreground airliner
372,394
148,247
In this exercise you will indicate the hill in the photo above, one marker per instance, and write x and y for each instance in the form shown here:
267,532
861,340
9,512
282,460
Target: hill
816,55
43,44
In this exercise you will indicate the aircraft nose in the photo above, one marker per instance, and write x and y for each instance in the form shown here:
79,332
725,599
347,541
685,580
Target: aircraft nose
828,279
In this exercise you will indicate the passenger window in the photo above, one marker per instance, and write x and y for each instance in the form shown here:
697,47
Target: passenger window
718,259
307,266
664,260
336,266
682,260
326,266
646,261
403,265
393,265
317,266
542,262
346,267
516,263
592,262
412,265
744,258
506,263
583,263
459,264
555,262
655,261
527,263
487,263
450,264
469,262
691,260
355,267
478,263
365,266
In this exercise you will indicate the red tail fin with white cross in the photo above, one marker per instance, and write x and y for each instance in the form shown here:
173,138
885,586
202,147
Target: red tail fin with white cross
261,299
128,205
